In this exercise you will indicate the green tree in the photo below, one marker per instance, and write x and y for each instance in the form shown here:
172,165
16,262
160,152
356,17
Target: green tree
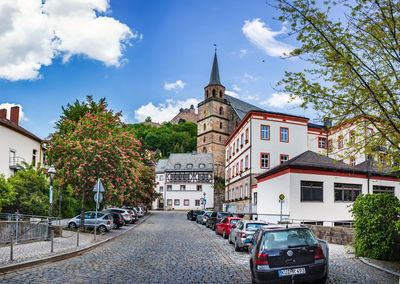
32,192
148,119
77,110
7,193
354,61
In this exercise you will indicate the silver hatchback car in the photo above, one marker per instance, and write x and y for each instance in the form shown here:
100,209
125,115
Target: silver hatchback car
242,230
104,221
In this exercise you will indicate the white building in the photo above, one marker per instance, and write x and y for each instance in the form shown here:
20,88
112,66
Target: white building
17,144
184,180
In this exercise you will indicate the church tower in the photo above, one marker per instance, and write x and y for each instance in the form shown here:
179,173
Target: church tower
213,123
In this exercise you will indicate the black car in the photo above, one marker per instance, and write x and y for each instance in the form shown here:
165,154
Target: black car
215,218
192,214
282,254
118,220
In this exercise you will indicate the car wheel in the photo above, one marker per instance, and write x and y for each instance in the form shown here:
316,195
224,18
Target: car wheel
237,248
224,234
102,229
72,225
216,231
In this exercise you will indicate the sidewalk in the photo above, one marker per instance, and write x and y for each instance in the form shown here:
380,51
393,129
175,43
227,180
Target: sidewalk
392,267
35,251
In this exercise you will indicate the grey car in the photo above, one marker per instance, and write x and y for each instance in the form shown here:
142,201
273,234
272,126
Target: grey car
104,221
244,229
124,212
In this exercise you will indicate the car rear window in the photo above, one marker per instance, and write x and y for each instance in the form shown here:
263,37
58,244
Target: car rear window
222,215
234,221
287,239
253,226
197,211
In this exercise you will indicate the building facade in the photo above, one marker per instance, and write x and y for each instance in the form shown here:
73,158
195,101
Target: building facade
17,145
184,180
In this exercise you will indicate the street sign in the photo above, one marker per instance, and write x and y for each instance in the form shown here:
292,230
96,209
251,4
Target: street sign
281,197
204,201
99,186
100,198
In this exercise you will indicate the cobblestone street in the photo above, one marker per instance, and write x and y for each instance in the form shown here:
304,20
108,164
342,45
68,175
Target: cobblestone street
167,248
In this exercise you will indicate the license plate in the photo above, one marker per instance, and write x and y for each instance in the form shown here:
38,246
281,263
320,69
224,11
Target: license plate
292,271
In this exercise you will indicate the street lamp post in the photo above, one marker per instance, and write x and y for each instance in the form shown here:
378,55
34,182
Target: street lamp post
52,171
59,208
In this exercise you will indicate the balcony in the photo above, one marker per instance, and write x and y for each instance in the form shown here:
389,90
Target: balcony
15,163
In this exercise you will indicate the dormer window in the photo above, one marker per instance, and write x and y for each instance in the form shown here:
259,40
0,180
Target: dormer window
177,166
189,166
202,166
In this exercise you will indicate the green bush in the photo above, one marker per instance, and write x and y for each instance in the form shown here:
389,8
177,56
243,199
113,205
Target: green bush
375,222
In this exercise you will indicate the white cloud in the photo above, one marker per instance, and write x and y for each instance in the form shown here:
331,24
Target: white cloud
176,86
33,33
164,111
243,52
8,106
232,94
264,38
236,88
280,100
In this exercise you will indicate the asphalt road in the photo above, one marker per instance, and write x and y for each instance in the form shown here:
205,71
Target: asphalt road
167,248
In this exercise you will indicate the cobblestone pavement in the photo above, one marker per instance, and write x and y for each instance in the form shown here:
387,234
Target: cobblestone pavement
344,268
167,248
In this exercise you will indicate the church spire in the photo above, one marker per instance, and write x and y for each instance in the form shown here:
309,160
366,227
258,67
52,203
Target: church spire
214,78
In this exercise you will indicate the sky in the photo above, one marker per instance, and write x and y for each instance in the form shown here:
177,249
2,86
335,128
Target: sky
146,57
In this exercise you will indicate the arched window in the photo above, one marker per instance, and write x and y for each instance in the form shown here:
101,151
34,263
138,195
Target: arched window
221,110
220,125
207,94
204,150
213,92
220,94
204,126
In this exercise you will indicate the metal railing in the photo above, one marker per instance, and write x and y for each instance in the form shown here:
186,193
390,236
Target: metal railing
327,223
15,162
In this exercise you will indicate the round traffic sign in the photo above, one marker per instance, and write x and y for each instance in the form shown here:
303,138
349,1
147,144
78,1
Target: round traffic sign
281,197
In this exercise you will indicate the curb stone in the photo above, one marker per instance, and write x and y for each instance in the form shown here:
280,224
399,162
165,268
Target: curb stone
66,255
367,262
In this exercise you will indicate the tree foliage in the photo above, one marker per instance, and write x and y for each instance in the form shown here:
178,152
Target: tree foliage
7,193
76,111
354,61
167,139
376,222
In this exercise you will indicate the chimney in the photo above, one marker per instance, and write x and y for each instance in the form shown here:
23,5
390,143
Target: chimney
3,113
14,115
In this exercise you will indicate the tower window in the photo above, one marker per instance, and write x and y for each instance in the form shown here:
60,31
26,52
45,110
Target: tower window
220,138
220,125
207,94
220,94
204,150
221,110
213,92
204,139
204,127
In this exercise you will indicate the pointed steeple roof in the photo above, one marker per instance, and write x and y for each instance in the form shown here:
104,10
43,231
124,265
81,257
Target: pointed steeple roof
214,78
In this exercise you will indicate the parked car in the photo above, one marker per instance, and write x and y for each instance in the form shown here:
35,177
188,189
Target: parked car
140,211
133,212
215,218
104,221
118,220
206,215
282,254
192,214
244,229
225,226
124,212
199,217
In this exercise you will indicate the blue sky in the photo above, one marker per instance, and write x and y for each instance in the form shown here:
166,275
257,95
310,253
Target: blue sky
147,57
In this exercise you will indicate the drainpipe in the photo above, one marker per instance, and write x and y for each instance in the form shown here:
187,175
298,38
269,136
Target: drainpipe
251,148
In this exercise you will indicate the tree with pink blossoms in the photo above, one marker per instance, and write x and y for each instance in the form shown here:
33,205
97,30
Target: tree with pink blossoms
99,146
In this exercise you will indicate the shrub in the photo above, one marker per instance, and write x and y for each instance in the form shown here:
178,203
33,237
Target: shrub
375,222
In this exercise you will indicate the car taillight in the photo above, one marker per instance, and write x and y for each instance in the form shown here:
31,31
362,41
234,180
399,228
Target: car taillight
242,235
120,219
126,214
108,222
318,253
261,258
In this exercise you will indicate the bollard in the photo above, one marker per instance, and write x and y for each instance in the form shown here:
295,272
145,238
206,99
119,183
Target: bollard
52,240
77,238
11,247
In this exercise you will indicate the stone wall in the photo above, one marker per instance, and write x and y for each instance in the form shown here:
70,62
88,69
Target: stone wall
334,235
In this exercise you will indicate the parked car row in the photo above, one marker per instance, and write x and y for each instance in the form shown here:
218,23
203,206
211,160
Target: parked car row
279,253
110,218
